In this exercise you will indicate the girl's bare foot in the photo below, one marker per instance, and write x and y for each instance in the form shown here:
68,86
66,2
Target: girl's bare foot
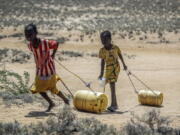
112,108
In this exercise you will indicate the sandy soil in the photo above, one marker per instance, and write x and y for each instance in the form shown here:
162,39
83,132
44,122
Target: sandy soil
158,65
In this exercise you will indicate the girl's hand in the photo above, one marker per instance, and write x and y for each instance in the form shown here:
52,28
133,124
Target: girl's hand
100,76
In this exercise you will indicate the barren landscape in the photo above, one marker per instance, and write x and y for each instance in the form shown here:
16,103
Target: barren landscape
147,34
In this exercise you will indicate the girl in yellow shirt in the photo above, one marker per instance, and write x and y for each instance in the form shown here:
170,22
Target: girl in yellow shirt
109,63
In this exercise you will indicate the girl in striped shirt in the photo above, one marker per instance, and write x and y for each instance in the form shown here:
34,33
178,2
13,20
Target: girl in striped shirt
45,69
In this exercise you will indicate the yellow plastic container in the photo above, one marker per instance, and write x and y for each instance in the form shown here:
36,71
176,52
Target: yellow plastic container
148,97
90,101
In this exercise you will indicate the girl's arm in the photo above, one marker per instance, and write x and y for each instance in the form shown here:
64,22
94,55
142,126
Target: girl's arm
53,45
54,51
102,68
122,60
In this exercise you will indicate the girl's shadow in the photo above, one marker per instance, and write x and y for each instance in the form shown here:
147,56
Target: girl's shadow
39,114
115,112
130,109
102,113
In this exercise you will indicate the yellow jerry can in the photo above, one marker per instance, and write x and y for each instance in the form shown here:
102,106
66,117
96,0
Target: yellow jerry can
148,97
90,101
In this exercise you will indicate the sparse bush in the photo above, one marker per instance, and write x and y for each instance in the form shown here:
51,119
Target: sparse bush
72,54
61,40
12,129
9,98
62,58
14,56
95,127
151,123
66,123
16,35
15,88
143,15
2,36
94,55
14,82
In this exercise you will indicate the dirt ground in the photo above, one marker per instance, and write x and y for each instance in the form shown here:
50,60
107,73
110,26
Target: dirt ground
157,64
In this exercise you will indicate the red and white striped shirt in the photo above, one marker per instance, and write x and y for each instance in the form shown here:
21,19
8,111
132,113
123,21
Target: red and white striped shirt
44,63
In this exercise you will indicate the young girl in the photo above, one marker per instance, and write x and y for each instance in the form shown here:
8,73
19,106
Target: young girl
45,68
109,56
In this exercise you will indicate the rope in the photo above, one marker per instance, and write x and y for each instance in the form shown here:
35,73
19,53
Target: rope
143,83
66,87
140,80
130,73
86,84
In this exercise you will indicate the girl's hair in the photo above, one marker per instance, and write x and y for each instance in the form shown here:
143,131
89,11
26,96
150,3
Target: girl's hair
31,28
105,34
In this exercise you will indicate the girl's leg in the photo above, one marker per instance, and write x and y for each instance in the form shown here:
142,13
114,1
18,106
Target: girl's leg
113,95
60,94
46,97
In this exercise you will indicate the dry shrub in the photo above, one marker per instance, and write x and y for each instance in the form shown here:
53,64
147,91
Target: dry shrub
66,123
14,88
14,82
151,123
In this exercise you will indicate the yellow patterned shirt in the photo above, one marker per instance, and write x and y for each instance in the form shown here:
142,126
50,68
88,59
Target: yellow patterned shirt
112,67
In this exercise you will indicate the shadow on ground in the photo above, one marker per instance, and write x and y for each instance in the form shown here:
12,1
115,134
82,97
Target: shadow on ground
39,114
